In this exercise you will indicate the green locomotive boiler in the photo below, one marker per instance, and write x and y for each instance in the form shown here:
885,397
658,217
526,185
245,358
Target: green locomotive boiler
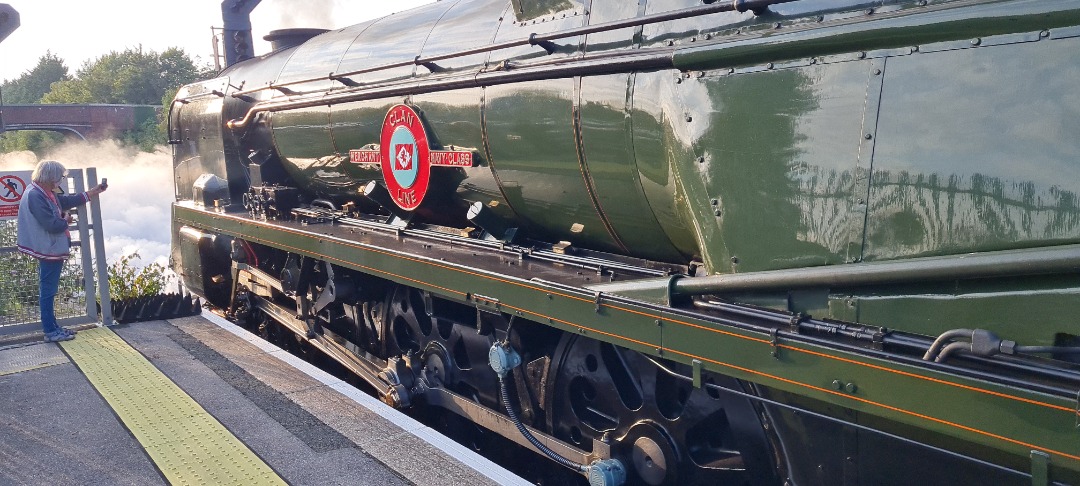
670,241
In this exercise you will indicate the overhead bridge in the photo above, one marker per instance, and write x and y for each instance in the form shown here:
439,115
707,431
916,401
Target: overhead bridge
90,121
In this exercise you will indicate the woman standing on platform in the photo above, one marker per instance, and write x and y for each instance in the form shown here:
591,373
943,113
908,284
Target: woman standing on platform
43,234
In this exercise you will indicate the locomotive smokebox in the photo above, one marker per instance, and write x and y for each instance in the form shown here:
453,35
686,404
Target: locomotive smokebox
286,38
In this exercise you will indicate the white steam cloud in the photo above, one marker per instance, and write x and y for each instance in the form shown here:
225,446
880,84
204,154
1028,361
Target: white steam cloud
306,13
135,209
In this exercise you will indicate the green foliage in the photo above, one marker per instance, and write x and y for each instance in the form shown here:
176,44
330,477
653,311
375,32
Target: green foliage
12,300
29,89
128,282
149,134
37,141
33,84
19,283
133,76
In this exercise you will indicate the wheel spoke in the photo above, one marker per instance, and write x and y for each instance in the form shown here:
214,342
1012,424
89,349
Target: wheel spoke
666,431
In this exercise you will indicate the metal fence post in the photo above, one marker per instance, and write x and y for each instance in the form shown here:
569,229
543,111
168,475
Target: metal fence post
84,246
99,251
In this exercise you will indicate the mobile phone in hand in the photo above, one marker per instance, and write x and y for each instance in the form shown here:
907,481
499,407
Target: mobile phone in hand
104,183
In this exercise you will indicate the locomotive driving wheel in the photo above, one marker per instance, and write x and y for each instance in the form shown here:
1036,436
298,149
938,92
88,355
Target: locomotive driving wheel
664,430
444,350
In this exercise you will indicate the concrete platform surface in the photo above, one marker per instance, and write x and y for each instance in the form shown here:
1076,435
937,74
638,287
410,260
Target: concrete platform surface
309,427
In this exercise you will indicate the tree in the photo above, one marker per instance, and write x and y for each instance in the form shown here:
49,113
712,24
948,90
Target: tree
36,141
177,69
33,84
133,76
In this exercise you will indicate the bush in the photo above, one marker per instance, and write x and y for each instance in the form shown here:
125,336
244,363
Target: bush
128,282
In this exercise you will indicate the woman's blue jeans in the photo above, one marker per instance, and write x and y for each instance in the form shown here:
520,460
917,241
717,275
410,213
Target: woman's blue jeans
49,283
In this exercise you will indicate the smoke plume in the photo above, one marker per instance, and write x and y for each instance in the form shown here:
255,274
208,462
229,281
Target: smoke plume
304,13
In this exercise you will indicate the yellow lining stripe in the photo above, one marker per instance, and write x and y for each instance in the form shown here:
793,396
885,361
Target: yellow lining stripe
188,445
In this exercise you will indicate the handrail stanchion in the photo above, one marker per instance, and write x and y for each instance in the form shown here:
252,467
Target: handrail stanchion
99,251
78,177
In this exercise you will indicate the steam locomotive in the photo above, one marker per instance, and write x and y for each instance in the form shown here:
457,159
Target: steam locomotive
670,241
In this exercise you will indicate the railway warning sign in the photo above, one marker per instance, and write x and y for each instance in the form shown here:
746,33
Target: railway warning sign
12,187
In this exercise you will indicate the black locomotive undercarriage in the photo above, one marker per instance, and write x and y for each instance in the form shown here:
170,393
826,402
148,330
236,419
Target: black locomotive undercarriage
574,393
581,400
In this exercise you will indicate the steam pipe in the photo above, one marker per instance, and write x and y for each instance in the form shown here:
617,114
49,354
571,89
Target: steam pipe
942,339
1043,261
582,67
948,350
1048,349
542,39
764,320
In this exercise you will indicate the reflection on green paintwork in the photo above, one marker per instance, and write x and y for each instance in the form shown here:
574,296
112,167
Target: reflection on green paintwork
972,158
532,9
776,151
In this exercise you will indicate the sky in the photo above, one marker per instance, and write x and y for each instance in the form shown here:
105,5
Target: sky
78,30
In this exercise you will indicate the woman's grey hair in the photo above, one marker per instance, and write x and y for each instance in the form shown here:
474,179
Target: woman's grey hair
48,171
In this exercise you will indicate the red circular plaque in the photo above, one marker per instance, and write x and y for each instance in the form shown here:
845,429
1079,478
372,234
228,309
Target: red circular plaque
405,157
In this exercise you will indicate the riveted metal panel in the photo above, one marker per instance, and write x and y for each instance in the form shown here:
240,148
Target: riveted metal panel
553,16
321,55
659,144
689,31
196,132
777,153
534,151
861,193
608,150
970,157
454,122
464,26
390,39
616,39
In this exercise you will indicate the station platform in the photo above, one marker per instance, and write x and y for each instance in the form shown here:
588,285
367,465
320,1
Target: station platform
200,401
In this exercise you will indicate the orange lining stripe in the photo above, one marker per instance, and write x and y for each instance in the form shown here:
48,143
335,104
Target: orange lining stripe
571,324
936,380
372,269
344,242
824,390
887,407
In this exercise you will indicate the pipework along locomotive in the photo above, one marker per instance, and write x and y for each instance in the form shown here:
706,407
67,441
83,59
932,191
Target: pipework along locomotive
666,241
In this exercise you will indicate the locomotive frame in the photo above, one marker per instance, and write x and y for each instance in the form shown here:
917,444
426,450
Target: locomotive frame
649,363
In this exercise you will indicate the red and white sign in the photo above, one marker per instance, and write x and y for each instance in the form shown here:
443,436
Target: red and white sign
12,187
406,158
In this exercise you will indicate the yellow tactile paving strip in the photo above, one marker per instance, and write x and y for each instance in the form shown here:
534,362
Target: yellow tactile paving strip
188,445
